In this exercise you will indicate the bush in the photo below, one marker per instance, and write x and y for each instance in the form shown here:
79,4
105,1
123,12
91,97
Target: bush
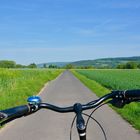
7,64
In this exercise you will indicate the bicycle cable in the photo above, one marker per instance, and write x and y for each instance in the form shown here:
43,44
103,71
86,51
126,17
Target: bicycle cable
98,125
89,117
72,127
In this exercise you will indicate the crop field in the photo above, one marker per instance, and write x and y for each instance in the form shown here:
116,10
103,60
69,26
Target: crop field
102,81
17,85
115,79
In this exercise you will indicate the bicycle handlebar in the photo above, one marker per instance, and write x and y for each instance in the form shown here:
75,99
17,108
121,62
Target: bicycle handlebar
12,113
117,96
132,94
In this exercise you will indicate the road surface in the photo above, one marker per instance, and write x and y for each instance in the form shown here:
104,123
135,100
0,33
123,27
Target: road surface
48,125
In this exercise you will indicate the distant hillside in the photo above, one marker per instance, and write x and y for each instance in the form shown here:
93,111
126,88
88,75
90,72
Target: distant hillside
59,64
98,63
106,62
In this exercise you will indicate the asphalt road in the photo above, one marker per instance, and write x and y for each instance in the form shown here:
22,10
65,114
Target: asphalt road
48,125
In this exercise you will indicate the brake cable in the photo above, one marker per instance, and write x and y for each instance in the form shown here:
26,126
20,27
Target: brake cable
89,117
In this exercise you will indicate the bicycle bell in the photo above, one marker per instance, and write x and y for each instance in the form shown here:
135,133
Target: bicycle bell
34,100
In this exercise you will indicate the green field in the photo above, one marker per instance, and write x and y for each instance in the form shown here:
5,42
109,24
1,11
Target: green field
17,85
102,81
115,79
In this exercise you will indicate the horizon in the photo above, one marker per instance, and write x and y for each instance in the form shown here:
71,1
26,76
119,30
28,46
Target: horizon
40,31
72,61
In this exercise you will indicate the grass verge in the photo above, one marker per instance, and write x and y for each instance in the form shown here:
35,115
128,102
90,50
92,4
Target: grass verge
131,112
17,85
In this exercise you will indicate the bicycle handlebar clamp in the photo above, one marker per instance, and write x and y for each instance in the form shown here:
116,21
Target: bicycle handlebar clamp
80,123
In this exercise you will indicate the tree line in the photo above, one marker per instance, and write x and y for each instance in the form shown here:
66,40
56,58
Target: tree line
129,65
68,66
12,64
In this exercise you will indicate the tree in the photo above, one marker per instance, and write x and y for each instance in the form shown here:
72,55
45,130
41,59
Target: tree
131,65
44,65
52,66
128,65
121,66
69,66
138,66
20,66
88,67
7,64
33,65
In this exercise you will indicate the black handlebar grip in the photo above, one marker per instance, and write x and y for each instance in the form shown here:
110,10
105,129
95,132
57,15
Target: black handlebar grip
132,94
15,112
2,116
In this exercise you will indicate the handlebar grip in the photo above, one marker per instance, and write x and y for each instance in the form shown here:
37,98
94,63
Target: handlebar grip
121,97
13,113
132,94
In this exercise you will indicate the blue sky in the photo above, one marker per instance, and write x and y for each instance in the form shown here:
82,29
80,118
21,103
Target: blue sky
68,30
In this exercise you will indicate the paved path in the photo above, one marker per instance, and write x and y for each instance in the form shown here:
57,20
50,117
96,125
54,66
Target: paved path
48,125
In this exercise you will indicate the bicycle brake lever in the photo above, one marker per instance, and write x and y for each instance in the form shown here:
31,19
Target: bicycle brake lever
117,103
3,116
121,102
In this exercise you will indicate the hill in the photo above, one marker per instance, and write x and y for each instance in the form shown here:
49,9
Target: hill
106,62
59,64
98,63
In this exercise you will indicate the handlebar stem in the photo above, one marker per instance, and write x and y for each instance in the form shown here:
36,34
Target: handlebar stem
80,123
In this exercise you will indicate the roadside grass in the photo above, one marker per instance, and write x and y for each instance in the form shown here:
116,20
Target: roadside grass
17,85
130,112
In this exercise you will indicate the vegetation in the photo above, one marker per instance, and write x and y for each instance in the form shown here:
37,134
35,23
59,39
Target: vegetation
114,79
7,64
17,85
100,80
33,65
129,65
53,66
106,62
69,66
12,64
58,64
